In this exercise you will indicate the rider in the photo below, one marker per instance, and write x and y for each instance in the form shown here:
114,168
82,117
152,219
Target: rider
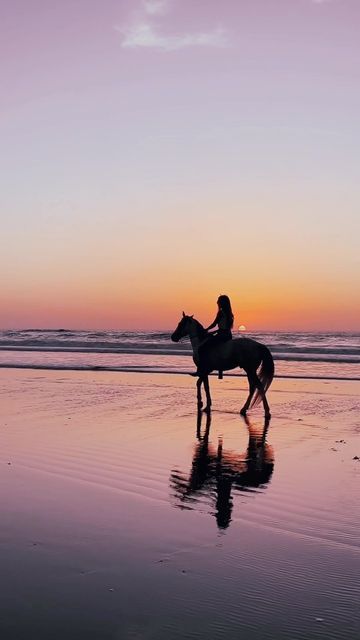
224,320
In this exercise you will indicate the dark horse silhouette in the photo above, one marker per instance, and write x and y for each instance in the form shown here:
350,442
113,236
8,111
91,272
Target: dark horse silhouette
254,357
219,471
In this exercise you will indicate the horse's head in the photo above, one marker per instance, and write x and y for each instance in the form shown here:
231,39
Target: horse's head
184,328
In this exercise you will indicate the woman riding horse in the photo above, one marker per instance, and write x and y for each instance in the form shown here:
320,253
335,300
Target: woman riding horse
251,356
225,321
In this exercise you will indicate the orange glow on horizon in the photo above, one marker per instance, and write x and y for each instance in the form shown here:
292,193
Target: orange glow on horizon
151,294
110,308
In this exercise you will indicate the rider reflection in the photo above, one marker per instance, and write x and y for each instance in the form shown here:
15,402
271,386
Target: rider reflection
218,472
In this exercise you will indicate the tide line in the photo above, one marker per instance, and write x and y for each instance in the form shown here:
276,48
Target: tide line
145,369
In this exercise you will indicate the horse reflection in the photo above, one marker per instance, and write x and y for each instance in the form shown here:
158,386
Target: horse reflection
216,472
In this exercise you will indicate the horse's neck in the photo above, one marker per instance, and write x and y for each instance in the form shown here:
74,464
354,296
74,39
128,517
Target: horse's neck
195,341
197,336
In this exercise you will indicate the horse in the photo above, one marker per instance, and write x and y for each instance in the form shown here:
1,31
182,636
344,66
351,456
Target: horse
251,356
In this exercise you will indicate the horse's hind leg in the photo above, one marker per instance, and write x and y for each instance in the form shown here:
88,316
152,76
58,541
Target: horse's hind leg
261,392
252,387
266,407
263,397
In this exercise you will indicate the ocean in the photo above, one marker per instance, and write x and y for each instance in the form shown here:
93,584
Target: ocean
297,355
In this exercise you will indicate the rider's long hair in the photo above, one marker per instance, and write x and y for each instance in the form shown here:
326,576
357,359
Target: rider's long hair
225,306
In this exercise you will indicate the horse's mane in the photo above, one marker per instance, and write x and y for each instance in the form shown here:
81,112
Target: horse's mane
199,327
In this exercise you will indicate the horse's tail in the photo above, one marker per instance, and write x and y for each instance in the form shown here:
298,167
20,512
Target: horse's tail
265,374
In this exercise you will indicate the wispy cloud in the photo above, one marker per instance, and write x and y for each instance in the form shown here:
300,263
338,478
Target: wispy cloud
156,7
144,33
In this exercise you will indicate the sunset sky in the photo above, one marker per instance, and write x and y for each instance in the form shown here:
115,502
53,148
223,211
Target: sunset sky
158,153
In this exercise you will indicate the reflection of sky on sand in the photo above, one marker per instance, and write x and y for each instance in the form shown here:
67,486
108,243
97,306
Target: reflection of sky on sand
90,536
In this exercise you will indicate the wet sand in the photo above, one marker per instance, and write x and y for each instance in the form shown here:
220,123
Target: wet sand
125,516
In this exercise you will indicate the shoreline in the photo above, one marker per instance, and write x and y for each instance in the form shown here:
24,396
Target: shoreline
143,369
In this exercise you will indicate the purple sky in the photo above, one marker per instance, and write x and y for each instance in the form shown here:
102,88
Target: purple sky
157,137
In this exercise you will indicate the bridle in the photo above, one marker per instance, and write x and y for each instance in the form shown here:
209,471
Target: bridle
194,329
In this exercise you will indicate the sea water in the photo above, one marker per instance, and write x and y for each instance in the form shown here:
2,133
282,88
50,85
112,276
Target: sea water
310,355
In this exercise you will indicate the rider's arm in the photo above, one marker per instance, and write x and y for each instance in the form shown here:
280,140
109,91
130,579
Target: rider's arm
213,324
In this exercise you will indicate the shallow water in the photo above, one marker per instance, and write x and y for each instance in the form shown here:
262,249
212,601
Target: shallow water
127,515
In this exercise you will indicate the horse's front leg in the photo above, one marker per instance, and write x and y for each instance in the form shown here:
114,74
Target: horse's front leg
198,390
205,380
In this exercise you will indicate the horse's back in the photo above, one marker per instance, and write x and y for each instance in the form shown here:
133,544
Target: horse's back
247,345
241,352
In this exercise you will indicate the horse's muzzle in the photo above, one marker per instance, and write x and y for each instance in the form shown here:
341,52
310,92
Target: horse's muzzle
175,337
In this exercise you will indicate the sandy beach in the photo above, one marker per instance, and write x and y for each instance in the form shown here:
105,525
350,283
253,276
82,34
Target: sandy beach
125,515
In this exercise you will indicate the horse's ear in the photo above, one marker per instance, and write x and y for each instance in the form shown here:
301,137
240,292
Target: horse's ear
192,316
183,315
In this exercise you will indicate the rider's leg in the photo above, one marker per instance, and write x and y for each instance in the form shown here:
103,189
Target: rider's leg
214,339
